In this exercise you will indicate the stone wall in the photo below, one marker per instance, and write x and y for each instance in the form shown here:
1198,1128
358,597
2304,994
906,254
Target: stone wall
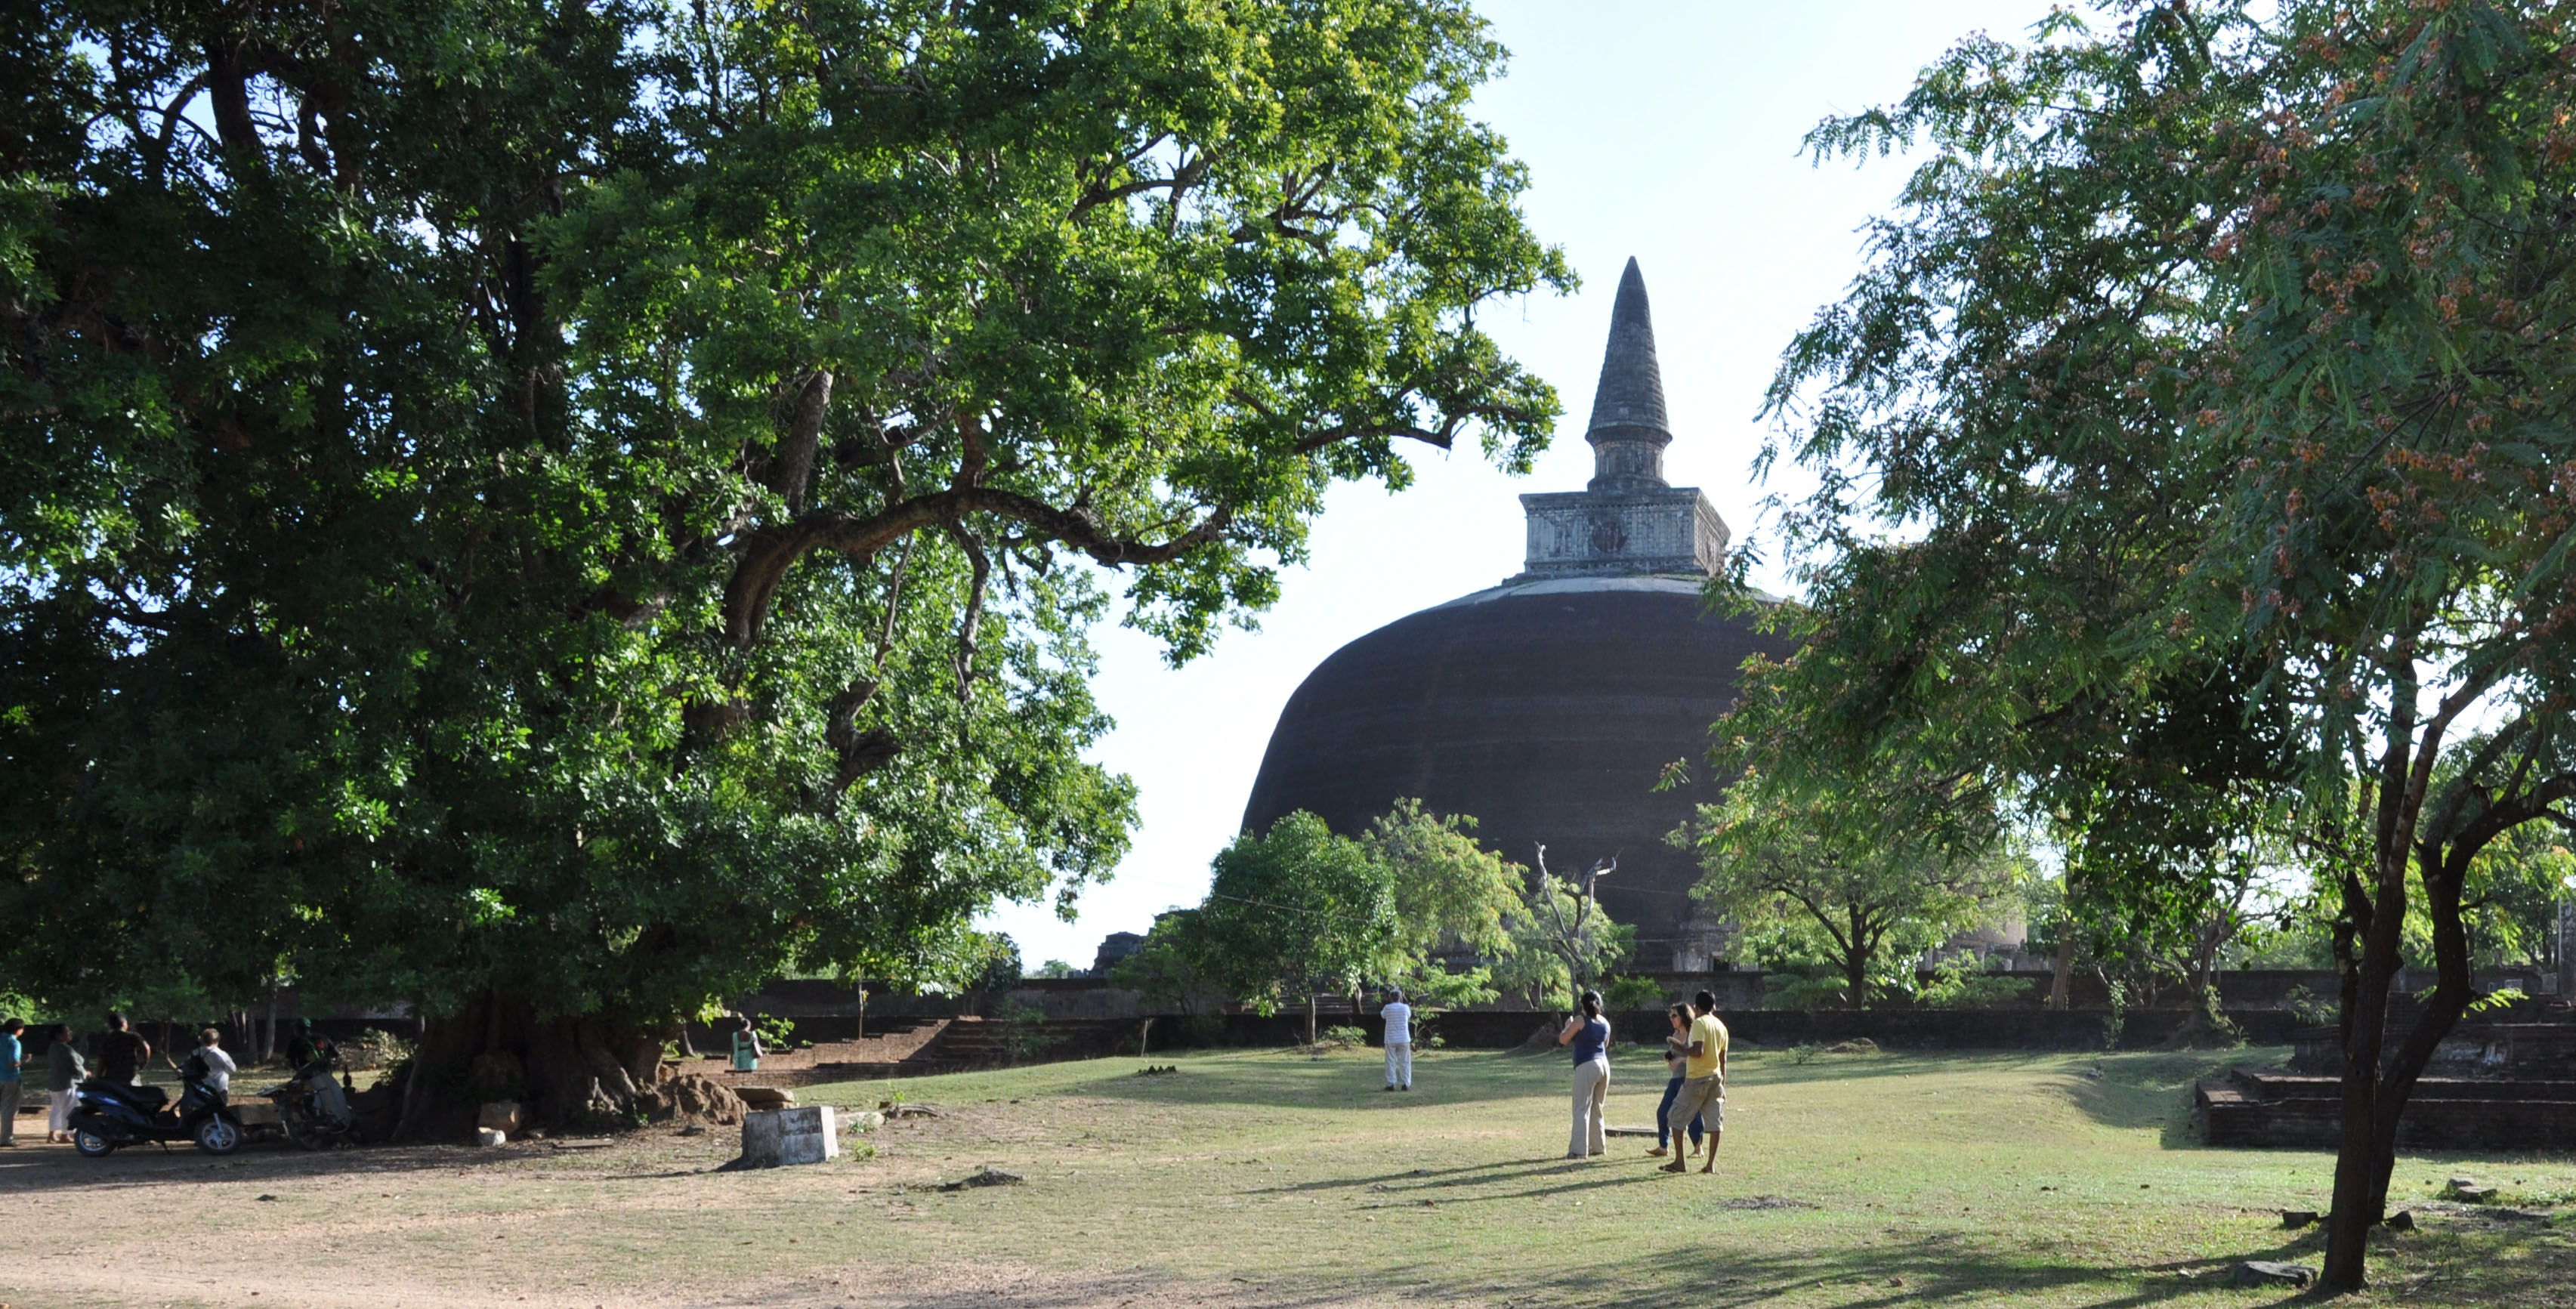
1897,1029
1093,999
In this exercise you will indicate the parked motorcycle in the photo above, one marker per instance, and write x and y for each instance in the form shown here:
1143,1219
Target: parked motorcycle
109,1116
313,1108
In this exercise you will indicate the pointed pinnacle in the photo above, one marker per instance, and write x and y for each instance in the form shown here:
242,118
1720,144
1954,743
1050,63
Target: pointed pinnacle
1631,392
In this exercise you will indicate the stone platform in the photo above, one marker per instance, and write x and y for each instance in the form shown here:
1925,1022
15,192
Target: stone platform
2279,1109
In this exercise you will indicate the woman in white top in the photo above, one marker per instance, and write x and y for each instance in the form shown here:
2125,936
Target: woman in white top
219,1066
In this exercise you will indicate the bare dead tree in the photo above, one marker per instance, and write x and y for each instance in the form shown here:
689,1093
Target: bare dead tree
1574,939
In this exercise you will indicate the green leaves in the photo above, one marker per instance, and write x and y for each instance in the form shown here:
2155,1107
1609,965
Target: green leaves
1297,909
598,504
2195,467
1301,909
1831,879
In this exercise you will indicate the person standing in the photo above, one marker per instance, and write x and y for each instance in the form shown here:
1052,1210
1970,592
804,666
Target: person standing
1703,1093
1589,1033
1674,1064
64,1070
1398,1017
13,1053
309,1047
746,1045
122,1054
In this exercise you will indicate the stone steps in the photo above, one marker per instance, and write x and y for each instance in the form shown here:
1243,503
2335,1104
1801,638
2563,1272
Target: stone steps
2267,1108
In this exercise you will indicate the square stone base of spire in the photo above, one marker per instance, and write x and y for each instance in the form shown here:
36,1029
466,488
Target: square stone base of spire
1622,533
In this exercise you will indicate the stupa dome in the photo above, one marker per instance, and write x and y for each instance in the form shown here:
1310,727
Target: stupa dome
1549,706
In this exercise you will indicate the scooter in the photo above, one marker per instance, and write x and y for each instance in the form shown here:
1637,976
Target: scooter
314,1109
108,1116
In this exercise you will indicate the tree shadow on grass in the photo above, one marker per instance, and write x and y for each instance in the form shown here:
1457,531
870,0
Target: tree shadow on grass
138,1168
1289,1081
1286,1080
2146,1090
1780,1068
1444,1185
1923,1269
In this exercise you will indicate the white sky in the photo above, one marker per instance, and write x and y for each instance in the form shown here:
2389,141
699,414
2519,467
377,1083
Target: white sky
1667,131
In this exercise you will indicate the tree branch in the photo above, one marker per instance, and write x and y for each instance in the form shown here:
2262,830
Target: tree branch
767,553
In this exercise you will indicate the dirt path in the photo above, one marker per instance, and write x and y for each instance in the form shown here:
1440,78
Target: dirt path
645,1220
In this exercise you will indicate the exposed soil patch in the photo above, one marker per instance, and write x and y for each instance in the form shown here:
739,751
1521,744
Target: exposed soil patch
692,1100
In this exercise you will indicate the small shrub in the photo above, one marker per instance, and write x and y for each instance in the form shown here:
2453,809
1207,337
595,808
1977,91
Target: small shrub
1344,1038
2310,1010
377,1049
1631,993
1960,984
1804,986
2117,1019
1022,1029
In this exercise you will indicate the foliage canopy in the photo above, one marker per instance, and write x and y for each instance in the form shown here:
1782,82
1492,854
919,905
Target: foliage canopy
2216,369
1824,878
579,504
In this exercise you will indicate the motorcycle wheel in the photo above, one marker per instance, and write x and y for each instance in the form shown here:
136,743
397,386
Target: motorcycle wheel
218,1135
91,1144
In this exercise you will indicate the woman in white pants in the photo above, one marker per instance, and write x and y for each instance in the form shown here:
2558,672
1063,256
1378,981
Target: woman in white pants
1589,1033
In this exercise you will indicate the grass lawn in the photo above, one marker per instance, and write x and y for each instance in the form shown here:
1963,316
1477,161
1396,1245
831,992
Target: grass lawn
1269,1178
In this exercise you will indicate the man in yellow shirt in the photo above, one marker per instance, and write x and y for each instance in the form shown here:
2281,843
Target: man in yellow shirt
1704,1077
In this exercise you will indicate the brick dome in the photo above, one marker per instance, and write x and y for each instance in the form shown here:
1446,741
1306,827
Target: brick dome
1547,709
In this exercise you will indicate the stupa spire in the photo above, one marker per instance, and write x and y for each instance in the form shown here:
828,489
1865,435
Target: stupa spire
1628,430
1630,523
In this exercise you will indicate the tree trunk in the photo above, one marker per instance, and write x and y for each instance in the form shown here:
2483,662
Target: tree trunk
268,1034
593,1072
2454,985
2365,1030
1310,1018
2061,981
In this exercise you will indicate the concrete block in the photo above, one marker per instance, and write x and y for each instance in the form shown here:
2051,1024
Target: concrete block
766,1097
773,1137
487,1136
500,1116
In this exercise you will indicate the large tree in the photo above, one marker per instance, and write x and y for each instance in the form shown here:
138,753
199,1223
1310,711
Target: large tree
558,512
1293,913
1455,901
1826,877
2223,347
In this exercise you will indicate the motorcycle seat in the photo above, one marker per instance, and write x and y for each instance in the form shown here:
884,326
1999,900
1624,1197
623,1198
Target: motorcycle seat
146,1098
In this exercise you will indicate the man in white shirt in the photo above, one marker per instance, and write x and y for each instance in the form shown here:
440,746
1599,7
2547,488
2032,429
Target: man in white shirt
1399,1042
